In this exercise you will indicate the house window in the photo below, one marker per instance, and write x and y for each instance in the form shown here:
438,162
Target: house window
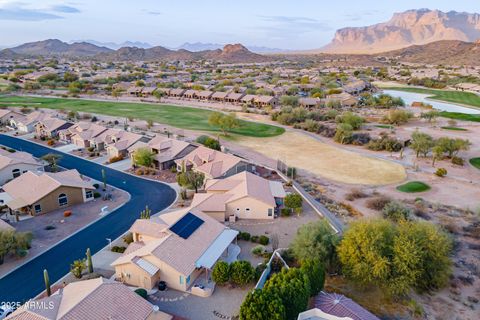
238,209
247,209
89,194
270,212
16,173
188,279
181,279
62,199
37,208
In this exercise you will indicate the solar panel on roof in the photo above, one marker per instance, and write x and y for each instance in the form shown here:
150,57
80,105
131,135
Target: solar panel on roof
186,225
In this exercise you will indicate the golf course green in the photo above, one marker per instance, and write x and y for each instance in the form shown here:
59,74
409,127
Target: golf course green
175,116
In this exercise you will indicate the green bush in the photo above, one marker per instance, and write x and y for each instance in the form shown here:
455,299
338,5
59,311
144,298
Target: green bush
458,161
254,239
128,238
241,273
315,272
262,305
142,293
221,273
119,249
396,211
244,236
264,240
209,142
96,195
258,250
285,212
441,172
293,201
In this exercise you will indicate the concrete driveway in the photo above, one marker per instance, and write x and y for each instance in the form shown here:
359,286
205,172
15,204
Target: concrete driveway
26,281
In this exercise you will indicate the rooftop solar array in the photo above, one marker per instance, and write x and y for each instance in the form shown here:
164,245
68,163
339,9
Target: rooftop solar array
186,225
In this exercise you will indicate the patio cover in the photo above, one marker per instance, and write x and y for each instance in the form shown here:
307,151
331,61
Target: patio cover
211,255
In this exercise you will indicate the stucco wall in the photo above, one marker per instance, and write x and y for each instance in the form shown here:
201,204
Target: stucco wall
6,173
50,201
258,209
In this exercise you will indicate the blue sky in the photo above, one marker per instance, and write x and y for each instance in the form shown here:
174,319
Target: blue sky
286,24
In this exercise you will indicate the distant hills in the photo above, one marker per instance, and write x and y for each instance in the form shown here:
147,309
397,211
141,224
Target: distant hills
235,53
115,46
412,27
448,52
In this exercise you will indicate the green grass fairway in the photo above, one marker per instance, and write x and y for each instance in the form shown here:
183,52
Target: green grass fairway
179,117
475,162
460,116
454,128
466,98
413,186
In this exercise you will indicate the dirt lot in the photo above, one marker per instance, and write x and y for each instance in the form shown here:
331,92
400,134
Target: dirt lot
336,164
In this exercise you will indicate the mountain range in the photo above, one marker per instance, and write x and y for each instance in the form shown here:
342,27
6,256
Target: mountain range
412,27
231,53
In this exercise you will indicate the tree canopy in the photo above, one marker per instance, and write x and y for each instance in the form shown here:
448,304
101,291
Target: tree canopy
225,122
262,304
143,157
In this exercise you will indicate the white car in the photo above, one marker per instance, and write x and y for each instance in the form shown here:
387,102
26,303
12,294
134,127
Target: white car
5,311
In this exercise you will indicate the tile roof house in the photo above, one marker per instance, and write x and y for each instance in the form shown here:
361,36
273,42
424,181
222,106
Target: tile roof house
243,195
81,133
98,298
50,127
115,141
174,247
26,123
12,165
35,193
6,115
340,306
166,150
212,163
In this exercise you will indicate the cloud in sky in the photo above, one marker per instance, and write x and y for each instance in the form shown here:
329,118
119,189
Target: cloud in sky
65,9
154,13
21,11
293,24
16,11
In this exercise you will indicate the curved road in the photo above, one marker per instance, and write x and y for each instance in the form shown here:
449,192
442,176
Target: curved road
27,281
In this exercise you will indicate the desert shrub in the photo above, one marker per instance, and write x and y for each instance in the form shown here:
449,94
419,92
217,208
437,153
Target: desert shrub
458,161
128,238
139,172
293,200
264,240
242,272
377,203
118,249
67,213
441,172
350,118
244,236
221,272
258,250
51,142
115,159
397,116
90,149
385,143
285,212
360,139
396,211
141,292
355,194
254,239
209,142
96,195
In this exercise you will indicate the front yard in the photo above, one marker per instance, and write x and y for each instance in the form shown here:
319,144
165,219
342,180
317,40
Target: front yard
52,227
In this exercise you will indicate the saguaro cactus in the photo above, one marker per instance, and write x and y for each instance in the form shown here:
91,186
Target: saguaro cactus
104,179
47,282
145,214
89,261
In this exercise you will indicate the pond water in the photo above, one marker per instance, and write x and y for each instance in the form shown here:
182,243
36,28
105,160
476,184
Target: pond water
410,97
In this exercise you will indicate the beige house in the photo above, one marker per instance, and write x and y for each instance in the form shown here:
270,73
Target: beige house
12,165
81,133
37,193
98,298
115,141
176,247
265,101
166,151
212,163
26,123
243,196
6,115
50,127
345,99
